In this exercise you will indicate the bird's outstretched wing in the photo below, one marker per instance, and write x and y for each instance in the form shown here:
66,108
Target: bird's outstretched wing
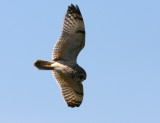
72,39
72,91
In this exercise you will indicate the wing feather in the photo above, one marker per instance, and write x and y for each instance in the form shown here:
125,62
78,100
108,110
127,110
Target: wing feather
72,91
72,39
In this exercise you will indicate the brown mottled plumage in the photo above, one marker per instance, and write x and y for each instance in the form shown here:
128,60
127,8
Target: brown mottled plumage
66,71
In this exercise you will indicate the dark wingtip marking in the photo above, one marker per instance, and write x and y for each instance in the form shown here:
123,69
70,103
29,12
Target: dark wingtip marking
73,6
73,9
72,105
78,8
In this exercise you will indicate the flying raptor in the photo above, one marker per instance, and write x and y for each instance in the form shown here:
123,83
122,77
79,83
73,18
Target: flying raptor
67,72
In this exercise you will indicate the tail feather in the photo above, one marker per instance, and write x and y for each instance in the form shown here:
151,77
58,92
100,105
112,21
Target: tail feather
43,65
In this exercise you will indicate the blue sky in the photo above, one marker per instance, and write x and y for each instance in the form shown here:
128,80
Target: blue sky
121,57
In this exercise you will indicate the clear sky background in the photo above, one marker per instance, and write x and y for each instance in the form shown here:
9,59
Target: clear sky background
121,57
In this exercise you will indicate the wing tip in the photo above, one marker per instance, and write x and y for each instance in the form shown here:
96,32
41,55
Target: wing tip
73,104
73,9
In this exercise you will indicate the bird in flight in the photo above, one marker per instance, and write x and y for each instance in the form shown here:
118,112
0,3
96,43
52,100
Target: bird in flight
68,74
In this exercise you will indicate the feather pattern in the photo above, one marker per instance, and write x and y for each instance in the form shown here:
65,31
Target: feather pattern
72,39
72,91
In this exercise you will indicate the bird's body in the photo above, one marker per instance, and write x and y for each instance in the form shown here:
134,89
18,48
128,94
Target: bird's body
65,69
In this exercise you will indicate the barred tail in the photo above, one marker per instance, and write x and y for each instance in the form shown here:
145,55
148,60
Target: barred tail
43,65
